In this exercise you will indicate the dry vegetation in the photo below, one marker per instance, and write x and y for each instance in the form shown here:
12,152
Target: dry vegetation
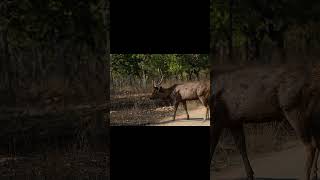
34,154
78,165
55,163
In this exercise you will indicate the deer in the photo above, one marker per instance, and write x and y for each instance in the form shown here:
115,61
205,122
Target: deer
260,94
181,93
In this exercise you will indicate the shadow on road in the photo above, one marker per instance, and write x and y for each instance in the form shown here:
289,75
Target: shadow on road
181,120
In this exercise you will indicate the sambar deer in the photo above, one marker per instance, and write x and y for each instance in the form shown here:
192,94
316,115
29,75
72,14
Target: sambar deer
182,93
267,93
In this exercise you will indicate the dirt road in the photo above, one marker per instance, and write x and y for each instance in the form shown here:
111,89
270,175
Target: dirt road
284,165
196,119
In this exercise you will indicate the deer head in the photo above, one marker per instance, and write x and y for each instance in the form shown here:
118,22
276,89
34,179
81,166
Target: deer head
158,91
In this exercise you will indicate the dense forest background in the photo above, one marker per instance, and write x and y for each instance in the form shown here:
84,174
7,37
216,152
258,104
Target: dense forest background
277,31
50,46
54,79
138,70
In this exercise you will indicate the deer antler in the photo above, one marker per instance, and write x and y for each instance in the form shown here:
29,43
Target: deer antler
159,83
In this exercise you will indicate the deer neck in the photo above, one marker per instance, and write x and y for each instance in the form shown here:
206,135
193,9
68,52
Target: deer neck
168,91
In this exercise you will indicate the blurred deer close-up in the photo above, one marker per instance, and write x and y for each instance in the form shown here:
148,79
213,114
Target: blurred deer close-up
264,94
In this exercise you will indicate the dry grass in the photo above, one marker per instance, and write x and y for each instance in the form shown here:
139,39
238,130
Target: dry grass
142,111
56,158
55,164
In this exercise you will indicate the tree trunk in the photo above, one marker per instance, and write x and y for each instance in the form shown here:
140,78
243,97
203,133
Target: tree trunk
230,38
144,79
254,49
197,75
189,75
247,49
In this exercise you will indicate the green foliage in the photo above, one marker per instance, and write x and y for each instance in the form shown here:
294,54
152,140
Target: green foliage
42,40
140,65
37,22
219,18
253,20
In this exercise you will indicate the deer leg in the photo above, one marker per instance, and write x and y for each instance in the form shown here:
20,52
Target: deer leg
205,103
185,108
238,135
315,161
175,110
207,112
301,125
310,150
215,133
216,128
315,164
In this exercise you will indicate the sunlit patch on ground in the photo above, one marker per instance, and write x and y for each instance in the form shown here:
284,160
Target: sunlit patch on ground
165,109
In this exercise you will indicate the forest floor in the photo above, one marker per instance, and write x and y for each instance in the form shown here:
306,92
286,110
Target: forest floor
196,118
287,164
274,151
54,165
138,110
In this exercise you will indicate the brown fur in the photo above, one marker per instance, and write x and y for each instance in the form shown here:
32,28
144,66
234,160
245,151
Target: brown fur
182,93
261,94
